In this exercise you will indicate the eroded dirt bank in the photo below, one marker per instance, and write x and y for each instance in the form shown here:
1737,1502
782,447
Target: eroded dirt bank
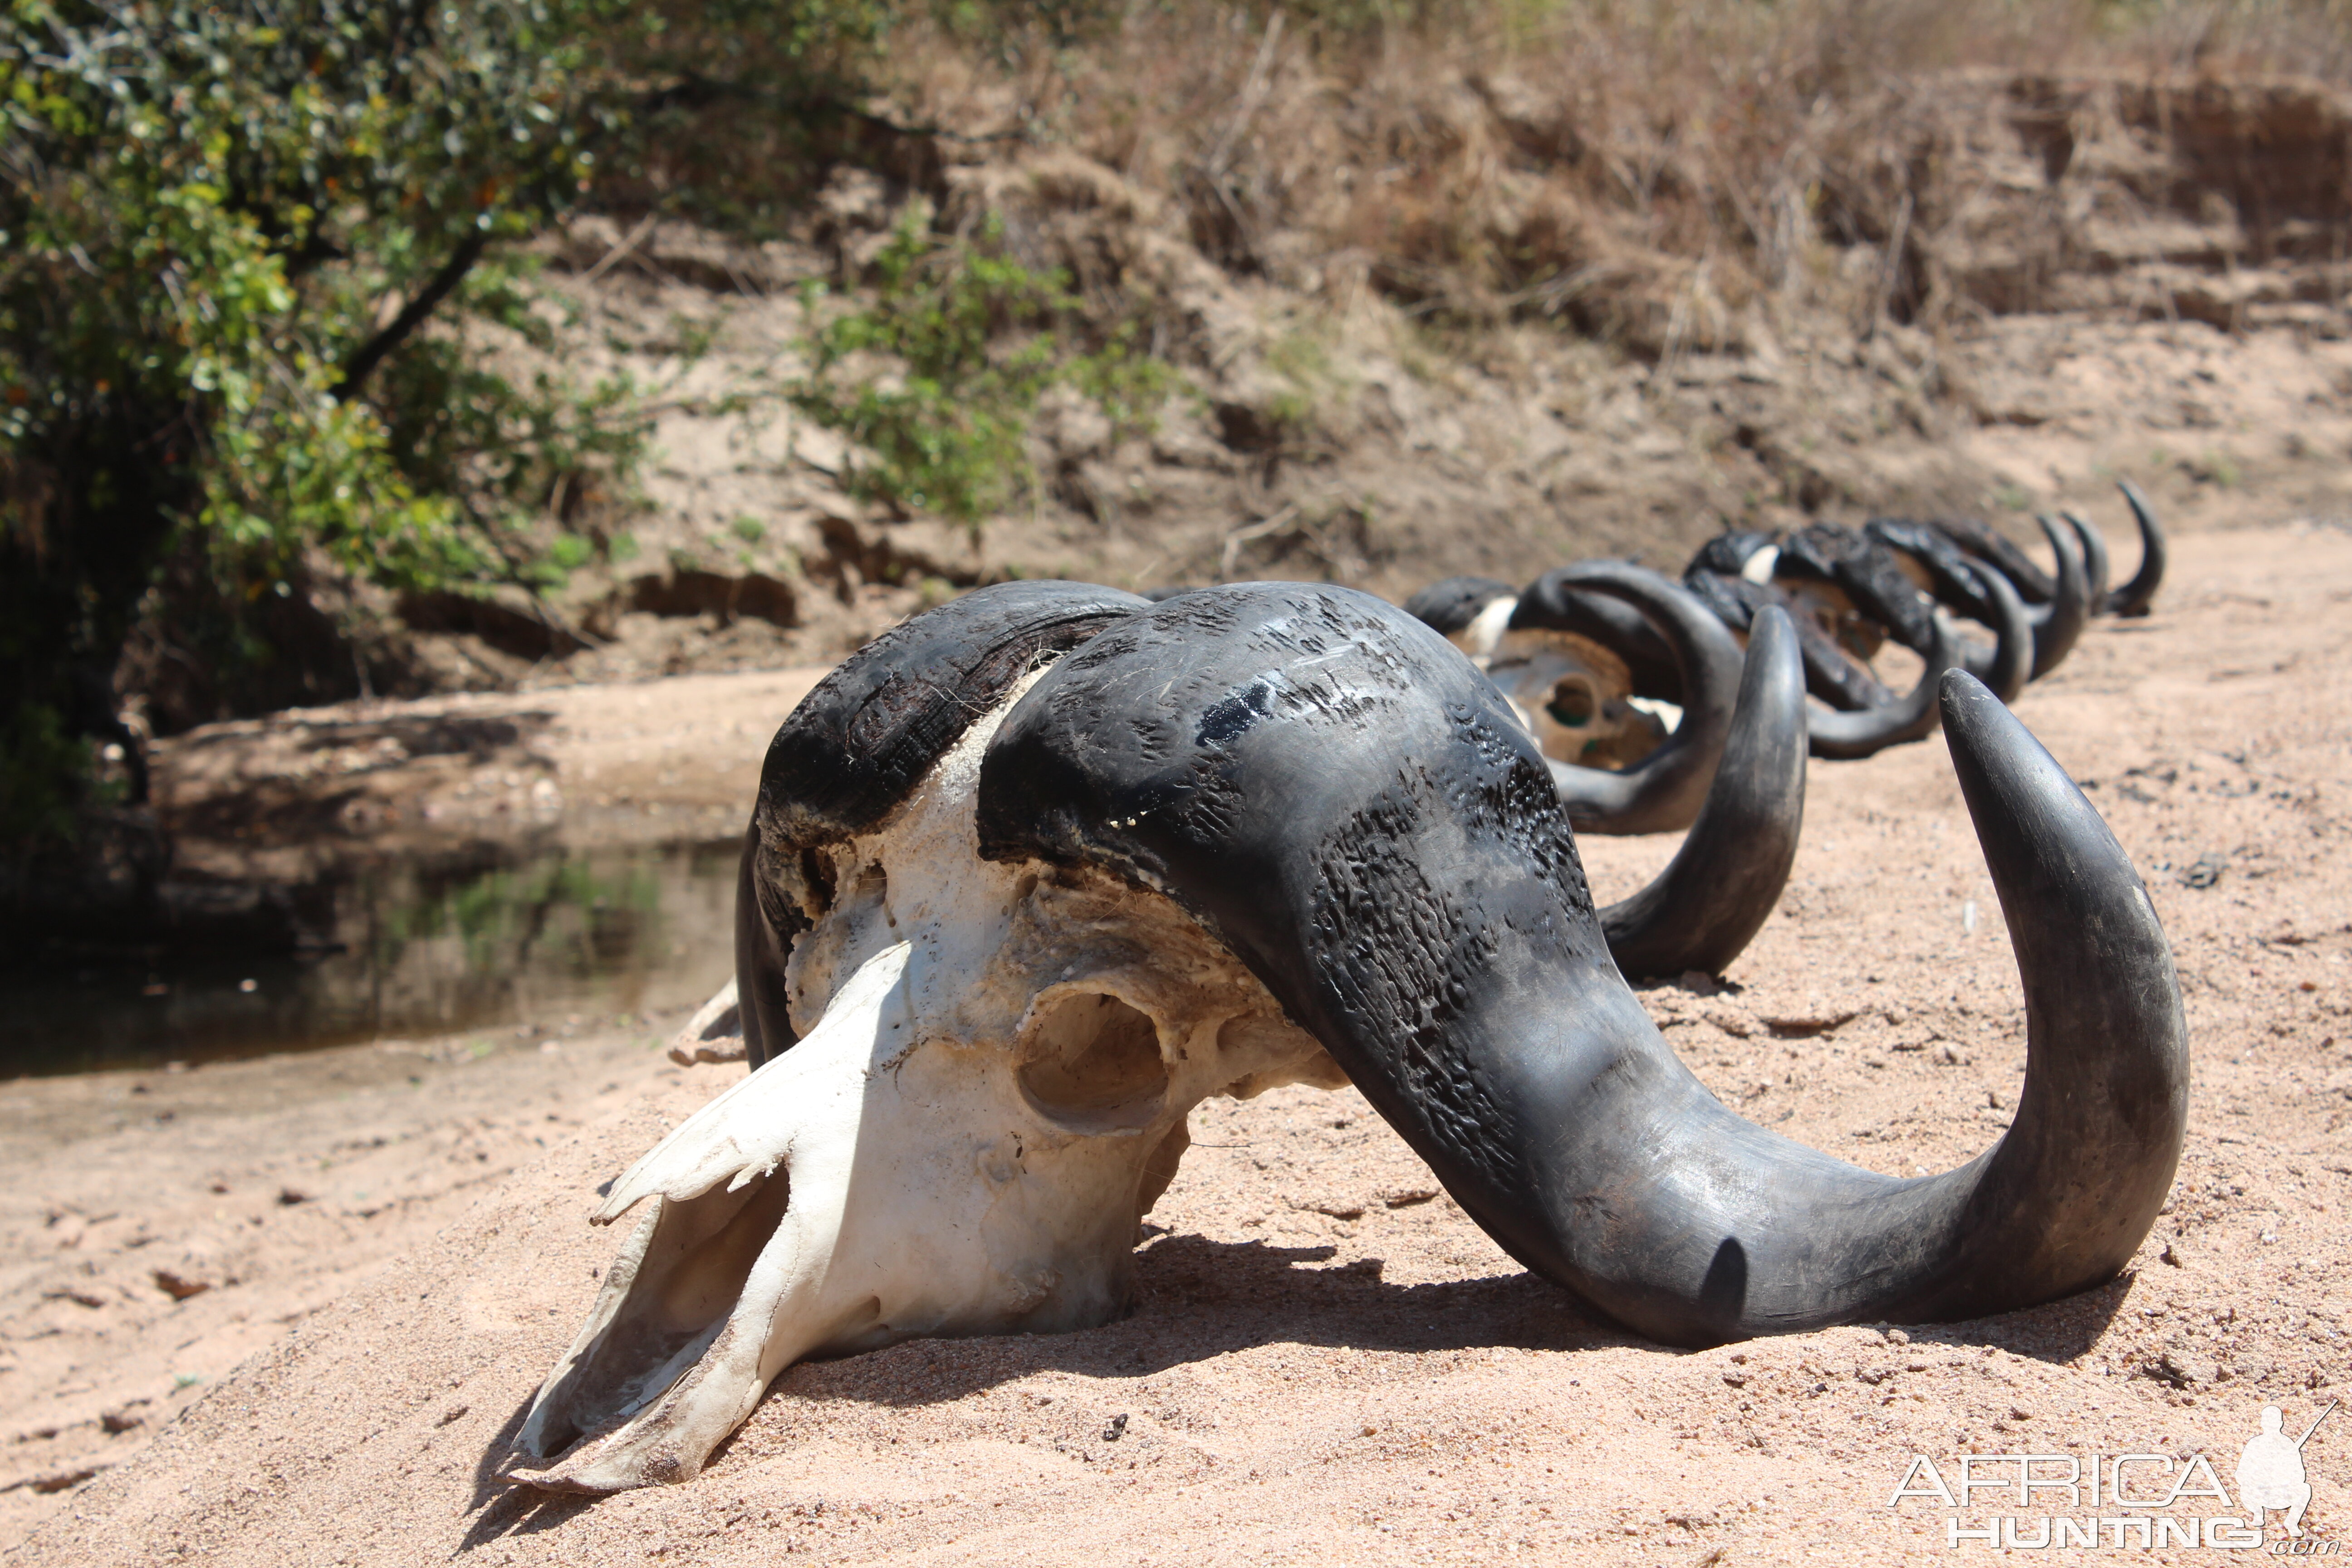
1327,1362
1443,311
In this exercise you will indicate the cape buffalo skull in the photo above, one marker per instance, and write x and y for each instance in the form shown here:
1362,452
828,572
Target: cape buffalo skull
1006,916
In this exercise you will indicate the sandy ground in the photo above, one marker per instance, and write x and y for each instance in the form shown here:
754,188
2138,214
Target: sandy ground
1328,1363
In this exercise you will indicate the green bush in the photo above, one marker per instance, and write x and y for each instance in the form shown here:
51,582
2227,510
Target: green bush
222,227
262,305
937,380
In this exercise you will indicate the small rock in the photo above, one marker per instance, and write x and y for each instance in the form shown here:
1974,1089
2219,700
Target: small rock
1738,1024
59,1480
452,1414
2204,872
178,1286
289,1197
1116,1428
1408,1198
1811,1022
2181,1369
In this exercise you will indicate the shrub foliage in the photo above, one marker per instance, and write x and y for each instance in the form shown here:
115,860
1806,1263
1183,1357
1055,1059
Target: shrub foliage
222,228
936,381
250,254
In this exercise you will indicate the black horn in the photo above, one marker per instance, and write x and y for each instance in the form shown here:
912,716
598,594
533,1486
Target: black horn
1471,613
2009,665
2058,625
1975,588
1351,810
2133,597
1665,790
2094,558
1715,894
1867,732
1986,543
1861,716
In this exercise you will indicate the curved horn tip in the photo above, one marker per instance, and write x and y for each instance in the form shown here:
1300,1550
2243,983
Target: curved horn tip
1957,687
2070,608
1703,910
2094,558
2133,597
2104,1111
1975,716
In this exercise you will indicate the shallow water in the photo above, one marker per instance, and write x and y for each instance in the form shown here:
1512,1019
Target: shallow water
402,950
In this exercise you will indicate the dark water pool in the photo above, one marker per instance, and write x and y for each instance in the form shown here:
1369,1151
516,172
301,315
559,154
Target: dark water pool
401,951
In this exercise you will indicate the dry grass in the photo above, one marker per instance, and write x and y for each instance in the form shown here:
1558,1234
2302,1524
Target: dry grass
1653,173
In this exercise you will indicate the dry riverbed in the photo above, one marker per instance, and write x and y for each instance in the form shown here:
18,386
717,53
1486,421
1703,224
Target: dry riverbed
287,1309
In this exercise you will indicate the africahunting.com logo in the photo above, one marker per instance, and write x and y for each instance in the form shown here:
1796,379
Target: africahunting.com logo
2030,1501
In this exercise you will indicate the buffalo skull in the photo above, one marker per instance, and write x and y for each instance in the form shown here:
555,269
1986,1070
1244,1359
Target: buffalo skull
1038,871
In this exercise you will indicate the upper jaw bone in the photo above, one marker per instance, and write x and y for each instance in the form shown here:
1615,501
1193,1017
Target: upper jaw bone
723,1286
854,1192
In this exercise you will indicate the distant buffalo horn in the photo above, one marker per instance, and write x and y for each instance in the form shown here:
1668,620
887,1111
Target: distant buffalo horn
1715,894
2058,625
1663,791
2133,597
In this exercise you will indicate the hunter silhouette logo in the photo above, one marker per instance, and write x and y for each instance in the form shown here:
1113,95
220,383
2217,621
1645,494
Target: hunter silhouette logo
2270,1472
2121,1500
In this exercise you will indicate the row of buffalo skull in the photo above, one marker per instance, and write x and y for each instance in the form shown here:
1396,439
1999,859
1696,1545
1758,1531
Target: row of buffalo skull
1036,872
1590,669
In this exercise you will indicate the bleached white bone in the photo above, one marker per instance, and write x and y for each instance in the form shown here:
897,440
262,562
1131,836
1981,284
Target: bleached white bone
990,1091
715,1033
746,1132
805,1107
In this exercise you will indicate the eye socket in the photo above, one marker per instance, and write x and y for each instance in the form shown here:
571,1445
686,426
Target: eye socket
1093,1062
1572,702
